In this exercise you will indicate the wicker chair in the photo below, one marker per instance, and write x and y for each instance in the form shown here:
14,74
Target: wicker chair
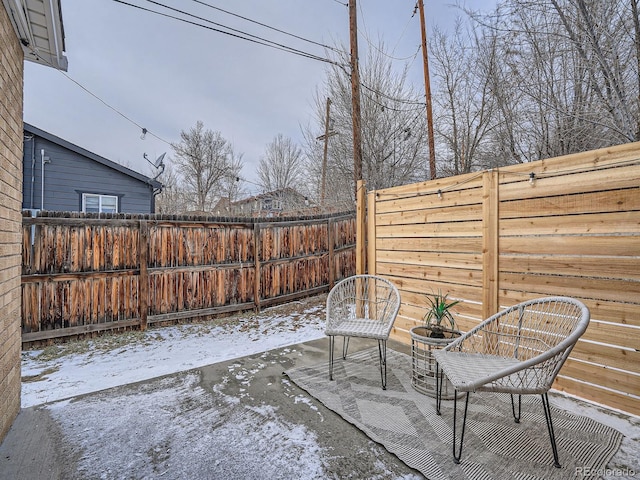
362,306
517,351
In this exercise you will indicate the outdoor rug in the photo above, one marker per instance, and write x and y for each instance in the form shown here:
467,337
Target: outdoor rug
495,447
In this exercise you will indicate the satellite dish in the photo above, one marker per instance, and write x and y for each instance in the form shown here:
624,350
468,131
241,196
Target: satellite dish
159,163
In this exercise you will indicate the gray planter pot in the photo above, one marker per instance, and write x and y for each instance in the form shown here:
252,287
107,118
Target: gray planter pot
423,364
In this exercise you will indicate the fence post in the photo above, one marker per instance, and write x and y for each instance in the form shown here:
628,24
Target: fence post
490,233
143,279
256,258
371,232
330,238
361,233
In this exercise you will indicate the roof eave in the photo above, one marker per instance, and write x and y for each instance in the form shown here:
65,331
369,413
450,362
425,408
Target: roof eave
38,25
96,158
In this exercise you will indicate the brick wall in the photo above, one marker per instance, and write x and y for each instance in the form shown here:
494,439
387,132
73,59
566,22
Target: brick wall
11,82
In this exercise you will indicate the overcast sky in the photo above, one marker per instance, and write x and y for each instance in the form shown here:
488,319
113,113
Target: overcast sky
165,75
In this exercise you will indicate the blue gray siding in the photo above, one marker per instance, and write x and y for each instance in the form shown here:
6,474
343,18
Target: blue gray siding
69,174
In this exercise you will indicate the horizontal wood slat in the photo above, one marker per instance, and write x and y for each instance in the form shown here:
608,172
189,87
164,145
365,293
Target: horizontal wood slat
575,265
596,393
458,244
452,229
450,214
584,224
624,200
620,380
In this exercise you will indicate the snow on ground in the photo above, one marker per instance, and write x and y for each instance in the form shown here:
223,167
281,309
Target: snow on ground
154,435
192,426
67,370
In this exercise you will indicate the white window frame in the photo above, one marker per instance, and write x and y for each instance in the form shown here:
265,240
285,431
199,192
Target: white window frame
100,199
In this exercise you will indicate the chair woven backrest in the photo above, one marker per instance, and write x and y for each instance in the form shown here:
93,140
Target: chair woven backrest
539,333
363,296
531,328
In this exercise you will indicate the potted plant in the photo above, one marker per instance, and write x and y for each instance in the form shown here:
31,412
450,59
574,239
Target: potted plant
437,331
438,315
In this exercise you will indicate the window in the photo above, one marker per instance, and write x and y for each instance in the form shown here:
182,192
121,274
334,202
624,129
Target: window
93,203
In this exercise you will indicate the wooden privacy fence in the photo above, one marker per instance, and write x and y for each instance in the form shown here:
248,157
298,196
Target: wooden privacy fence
562,226
83,274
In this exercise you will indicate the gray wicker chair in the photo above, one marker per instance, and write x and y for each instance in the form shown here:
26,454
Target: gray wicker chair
518,351
362,306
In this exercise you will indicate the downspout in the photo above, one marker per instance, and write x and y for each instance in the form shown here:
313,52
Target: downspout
33,167
43,161
154,193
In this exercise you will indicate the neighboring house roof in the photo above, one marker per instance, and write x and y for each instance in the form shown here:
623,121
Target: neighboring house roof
86,153
283,192
275,202
38,24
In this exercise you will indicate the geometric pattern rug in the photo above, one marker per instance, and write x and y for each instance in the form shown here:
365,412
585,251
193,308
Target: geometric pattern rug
404,421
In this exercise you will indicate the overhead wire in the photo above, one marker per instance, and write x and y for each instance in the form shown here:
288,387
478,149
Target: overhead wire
365,35
398,100
142,128
419,105
130,120
239,33
266,26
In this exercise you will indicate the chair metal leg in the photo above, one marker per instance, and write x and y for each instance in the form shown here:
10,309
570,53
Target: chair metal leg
458,454
552,436
382,352
332,341
345,347
516,416
439,381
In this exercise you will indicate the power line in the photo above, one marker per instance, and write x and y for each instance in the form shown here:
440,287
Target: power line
254,38
399,100
143,129
130,120
379,50
267,26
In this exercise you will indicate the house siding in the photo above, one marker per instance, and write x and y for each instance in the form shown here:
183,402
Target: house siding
11,128
69,174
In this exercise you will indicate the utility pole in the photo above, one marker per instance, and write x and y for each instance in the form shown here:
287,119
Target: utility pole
325,137
355,95
427,92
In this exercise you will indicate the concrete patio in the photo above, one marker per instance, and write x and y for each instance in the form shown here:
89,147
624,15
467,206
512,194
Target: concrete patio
240,418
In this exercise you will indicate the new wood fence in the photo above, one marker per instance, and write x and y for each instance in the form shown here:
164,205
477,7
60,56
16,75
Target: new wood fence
83,274
563,226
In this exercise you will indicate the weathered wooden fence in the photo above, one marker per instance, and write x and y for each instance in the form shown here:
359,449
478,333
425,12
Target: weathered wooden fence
563,226
83,274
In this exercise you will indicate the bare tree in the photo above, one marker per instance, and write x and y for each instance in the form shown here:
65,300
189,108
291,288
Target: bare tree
464,106
232,186
205,159
394,145
172,199
282,165
564,77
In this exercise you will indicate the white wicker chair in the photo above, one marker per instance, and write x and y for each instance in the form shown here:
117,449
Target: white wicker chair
362,306
517,351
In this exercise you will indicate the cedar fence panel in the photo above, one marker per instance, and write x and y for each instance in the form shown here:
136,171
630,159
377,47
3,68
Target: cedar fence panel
563,226
87,273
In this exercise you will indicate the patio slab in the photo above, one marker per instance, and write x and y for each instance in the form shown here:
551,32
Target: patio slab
106,435
240,418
